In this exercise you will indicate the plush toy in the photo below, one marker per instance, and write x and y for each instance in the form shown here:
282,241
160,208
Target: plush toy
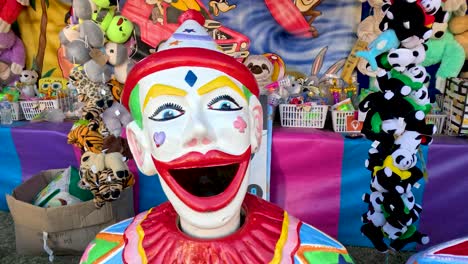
403,58
446,51
117,144
83,9
12,54
116,89
97,162
368,30
383,43
408,21
77,51
262,69
459,27
85,139
105,174
9,11
52,87
118,58
434,8
97,72
92,34
91,93
27,84
116,117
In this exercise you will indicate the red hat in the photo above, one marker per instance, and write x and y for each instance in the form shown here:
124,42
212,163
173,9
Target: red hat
190,45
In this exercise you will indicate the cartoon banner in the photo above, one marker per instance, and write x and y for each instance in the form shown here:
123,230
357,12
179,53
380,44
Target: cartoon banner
281,27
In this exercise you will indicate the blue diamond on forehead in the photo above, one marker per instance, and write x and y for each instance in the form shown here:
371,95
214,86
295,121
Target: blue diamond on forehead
189,30
190,78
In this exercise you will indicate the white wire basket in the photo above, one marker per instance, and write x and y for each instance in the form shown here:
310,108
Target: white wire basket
33,108
438,121
16,111
339,121
309,116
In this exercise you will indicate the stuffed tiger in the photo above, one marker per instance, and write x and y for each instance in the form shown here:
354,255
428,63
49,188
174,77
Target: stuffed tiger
110,187
116,89
86,139
90,181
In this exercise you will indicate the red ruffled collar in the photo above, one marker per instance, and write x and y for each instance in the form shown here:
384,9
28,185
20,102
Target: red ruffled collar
254,242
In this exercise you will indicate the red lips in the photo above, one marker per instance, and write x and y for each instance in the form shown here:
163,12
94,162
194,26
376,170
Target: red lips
198,160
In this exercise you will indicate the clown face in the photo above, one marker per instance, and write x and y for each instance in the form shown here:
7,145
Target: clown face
198,130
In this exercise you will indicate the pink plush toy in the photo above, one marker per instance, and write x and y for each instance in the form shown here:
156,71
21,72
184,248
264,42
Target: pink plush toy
9,11
12,54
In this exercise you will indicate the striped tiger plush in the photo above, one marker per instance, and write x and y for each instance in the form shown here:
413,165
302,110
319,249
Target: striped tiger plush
116,89
110,187
86,139
90,181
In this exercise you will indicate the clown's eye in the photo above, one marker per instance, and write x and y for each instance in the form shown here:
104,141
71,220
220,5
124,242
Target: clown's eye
224,103
167,112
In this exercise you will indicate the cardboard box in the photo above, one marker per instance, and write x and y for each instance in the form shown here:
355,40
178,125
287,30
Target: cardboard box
69,228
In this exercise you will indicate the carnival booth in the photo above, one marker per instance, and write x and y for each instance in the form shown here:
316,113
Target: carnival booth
214,131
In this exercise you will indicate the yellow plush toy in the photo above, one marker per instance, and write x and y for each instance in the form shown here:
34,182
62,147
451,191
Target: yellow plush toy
52,87
459,27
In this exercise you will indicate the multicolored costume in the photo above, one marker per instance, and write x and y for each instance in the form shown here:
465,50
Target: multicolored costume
268,235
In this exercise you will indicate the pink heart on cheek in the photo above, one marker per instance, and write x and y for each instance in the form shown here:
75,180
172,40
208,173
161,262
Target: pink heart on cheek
159,138
240,124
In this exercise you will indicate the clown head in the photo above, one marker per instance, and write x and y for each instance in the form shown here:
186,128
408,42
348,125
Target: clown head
197,123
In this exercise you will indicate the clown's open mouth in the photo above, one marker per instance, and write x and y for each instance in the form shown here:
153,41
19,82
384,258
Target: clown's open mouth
205,182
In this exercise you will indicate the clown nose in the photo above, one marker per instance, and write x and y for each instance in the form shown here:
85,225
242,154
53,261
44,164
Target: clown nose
192,14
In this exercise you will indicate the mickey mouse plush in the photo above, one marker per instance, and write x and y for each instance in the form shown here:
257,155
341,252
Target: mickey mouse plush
408,20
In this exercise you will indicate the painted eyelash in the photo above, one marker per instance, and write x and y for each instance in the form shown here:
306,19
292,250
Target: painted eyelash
222,97
167,106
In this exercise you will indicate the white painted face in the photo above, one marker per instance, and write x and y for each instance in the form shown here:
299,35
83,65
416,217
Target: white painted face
199,129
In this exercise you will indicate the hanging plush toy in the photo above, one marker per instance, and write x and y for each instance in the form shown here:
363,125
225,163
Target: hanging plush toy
12,57
395,121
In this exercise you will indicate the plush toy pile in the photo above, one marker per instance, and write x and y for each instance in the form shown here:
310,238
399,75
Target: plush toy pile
395,120
96,46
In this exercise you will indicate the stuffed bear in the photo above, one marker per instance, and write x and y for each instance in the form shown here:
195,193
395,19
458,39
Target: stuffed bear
27,84
13,55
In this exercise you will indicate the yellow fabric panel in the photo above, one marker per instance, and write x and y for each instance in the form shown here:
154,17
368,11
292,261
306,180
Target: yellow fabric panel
30,27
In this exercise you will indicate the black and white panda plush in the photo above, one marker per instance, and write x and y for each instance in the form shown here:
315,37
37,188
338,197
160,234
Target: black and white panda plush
391,86
418,74
402,59
411,140
417,237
